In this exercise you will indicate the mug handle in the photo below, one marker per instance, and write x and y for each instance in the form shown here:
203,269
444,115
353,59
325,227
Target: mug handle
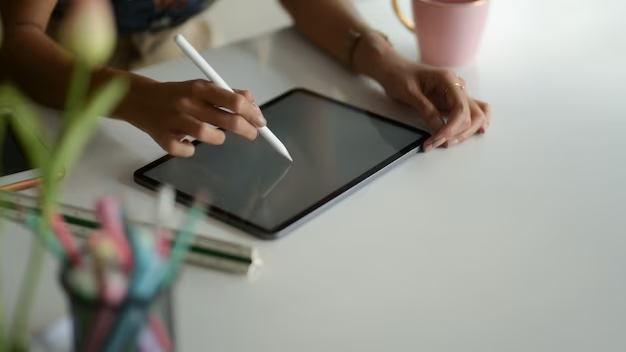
405,20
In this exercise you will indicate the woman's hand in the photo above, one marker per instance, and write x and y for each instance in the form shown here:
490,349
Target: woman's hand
437,94
170,111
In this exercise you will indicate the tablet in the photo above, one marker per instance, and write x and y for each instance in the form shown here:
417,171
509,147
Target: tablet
335,148
15,172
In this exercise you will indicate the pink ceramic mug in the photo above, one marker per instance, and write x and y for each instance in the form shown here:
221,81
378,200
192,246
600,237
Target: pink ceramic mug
448,32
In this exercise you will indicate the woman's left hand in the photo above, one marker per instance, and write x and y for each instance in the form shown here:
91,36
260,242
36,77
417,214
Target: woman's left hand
437,93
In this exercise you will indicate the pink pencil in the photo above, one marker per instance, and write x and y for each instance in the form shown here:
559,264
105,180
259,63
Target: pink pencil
111,220
66,238
164,210
163,243
156,324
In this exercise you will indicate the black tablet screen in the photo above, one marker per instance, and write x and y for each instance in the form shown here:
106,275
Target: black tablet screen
333,146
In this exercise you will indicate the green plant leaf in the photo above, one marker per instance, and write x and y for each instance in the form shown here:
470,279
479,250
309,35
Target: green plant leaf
79,85
3,340
23,118
16,109
80,130
75,136
7,96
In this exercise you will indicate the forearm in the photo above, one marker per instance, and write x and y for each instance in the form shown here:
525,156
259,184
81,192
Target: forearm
43,70
329,23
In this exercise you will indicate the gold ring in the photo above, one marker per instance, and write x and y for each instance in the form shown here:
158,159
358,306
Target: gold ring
456,84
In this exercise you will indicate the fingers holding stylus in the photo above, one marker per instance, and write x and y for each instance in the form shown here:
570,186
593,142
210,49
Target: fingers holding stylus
185,125
239,102
190,126
202,111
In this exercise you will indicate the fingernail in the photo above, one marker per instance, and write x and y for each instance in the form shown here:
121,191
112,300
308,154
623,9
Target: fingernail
453,142
428,147
261,119
439,142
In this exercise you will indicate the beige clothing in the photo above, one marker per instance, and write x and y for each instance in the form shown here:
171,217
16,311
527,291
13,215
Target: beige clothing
142,49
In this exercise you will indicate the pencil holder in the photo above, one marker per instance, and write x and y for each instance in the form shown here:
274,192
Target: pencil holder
132,324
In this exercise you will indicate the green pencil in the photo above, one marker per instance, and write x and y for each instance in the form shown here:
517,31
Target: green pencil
183,241
203,251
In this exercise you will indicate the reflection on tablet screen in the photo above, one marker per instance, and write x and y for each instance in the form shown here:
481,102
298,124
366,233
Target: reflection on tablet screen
331,145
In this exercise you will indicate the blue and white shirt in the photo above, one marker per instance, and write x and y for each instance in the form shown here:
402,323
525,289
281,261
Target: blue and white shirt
134,16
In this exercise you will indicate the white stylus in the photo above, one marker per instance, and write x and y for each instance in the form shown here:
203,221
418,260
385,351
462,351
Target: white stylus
204,66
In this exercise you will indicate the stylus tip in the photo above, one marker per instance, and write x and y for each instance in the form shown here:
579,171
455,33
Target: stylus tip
280,148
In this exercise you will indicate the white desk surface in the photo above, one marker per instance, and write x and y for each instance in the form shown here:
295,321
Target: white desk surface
513,241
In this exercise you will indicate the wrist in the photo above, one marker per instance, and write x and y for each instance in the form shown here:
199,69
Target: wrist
135,100
374,55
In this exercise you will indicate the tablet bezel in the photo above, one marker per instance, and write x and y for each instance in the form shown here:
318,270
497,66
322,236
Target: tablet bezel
291,223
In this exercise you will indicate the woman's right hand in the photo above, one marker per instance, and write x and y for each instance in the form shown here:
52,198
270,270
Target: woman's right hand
170,111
